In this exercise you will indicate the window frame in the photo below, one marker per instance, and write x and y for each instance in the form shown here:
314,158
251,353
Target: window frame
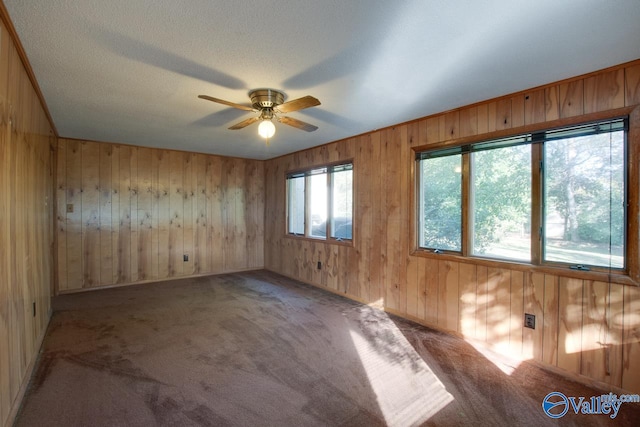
630,274
328,170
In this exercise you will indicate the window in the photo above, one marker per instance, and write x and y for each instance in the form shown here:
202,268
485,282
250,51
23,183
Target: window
320,202
295,192
341,203
584,209
581,177
441,202
501,202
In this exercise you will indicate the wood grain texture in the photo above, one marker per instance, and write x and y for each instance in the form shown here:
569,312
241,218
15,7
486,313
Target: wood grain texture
632,85
163,205
90,213
412,287
115,214
571,98
596,340
516,313
552,103
489,302
482,302
570,327
614,343
468,122
137,212
27,224
467,288
127,217
105,214
631,339
498,308
448,280
551,308
61,213
74,267
146,214
604,91
176,213
534,110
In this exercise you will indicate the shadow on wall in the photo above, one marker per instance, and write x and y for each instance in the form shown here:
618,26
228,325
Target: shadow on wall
585,327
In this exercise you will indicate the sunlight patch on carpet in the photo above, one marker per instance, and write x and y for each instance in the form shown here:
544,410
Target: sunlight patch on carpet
407,393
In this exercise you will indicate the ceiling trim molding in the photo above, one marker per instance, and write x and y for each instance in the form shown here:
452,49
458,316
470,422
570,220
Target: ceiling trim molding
6,19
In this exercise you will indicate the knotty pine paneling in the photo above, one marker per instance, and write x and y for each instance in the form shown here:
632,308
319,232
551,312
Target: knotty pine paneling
135,212
632,85
584,327
26,222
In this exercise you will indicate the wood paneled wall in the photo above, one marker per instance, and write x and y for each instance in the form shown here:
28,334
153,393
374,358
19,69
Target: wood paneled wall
584,326
129,214
26,225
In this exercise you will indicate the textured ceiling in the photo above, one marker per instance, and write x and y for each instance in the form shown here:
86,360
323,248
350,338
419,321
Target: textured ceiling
130,71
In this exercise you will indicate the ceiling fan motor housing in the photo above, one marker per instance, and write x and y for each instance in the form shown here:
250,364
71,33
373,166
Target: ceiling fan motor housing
266,98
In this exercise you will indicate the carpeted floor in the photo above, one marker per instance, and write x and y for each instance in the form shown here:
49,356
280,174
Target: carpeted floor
257,349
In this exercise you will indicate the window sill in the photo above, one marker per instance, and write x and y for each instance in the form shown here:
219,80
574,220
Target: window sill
347,243
616,276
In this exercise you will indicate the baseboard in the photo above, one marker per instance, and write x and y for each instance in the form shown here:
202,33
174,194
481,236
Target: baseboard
324,288
15,407
579,378
164,279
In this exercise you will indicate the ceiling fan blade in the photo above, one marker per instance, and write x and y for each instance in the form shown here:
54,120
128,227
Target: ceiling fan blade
297,104
230,104
244,123
297,124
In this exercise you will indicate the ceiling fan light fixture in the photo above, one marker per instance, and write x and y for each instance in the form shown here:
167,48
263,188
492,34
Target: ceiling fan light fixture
269,102
266,129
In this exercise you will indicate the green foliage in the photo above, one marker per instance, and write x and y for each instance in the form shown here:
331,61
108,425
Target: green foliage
584,180
501,188
441,201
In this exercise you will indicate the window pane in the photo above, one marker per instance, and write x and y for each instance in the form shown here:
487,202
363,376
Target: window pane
295,205
318,204
342,194
501,203
441,203
584,200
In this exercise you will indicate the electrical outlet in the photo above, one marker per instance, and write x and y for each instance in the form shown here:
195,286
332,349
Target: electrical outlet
529,321
185,257
69,207
319,265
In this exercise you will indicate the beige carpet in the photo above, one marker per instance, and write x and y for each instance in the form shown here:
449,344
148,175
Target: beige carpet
257,349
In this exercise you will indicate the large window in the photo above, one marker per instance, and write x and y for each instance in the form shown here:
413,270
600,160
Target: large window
571,181
320,202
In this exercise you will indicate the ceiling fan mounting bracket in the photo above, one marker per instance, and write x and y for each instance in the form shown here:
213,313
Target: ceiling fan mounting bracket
266,98
267,114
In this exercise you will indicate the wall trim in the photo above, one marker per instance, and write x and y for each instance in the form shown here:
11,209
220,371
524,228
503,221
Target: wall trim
145,282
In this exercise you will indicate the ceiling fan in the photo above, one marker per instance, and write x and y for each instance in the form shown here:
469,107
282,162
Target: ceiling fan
270,104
